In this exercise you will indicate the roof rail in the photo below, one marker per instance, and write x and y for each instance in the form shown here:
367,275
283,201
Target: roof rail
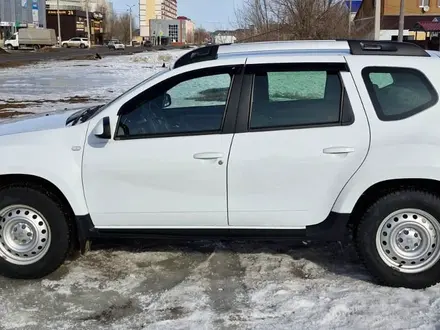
385,47
205,53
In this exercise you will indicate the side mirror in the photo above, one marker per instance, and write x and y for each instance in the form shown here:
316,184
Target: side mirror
166,100
102,129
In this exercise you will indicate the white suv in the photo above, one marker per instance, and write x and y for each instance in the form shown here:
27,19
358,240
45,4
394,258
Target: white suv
287,139
76,42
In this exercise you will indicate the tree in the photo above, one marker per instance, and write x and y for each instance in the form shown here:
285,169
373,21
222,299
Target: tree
201,36
261,20
121,28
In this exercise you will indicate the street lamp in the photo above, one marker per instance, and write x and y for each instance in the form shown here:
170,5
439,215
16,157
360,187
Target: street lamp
59,22
88,24
131,25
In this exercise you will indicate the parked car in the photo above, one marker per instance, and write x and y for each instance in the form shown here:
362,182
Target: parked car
76,42
115,45
308,140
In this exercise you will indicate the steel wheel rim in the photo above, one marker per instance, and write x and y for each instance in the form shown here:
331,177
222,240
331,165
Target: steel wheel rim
408,240
24,235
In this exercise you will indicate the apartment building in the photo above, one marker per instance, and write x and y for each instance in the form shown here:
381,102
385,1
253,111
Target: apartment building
155,9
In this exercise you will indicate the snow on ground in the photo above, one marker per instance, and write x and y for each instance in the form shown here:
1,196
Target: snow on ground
195,285
214,285
59,84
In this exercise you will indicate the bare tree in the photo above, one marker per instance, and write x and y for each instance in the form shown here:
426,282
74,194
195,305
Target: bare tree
200,36
190,37
292,19
121,28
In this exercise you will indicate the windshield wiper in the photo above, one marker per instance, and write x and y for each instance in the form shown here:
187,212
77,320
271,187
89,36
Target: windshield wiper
82,116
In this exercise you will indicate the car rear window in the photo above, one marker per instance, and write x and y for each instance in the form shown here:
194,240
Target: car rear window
398,93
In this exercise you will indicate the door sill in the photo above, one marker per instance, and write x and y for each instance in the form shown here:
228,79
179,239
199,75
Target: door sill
333,228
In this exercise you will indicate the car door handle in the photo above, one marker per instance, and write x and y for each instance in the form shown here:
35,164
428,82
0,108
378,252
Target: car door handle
338,150
208,155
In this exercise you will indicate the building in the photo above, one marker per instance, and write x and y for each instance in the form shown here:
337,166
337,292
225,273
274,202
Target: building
168,31
417,13
94,5
74,24
21,14
224,37
355,5
155,9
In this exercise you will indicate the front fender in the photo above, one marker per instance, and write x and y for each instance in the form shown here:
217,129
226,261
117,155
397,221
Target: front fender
53,155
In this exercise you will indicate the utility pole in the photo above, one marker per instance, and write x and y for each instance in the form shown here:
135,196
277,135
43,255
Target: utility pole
59,23
377,19
349,18
88,24
131,25
401,20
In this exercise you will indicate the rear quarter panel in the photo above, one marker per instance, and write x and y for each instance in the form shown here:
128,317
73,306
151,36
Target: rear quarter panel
402,149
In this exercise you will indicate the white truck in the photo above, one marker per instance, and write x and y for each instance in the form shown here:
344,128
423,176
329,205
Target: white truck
308,140
31,38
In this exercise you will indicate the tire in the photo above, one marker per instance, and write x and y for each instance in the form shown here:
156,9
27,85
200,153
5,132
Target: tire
398,239
82,46
41,225
9,47
65,45
36,47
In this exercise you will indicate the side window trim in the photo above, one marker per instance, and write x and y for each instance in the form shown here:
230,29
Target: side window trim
230,111
245,112
375,101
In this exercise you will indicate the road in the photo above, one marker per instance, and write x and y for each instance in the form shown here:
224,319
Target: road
24,57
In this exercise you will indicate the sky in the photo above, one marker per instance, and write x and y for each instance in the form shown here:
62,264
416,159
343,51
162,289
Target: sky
209,14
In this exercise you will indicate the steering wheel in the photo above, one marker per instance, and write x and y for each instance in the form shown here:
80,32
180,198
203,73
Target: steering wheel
156,121
146,119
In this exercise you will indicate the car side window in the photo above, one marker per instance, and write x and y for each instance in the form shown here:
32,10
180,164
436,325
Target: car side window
398,93
292,98
187,104
202,91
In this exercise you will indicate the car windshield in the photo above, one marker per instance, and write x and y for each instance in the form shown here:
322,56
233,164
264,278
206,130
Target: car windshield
157,74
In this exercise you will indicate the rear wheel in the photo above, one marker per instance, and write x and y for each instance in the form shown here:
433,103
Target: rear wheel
36,47
82,46
34,232
398,239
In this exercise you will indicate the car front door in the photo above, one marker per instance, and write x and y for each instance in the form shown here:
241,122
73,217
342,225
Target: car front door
305,136
166,164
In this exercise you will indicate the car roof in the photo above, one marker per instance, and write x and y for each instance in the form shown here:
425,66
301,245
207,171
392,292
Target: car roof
303,47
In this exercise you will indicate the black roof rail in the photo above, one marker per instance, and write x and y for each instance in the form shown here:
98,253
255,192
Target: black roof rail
201,54
385,47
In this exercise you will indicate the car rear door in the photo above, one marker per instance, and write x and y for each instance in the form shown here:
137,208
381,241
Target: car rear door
302,135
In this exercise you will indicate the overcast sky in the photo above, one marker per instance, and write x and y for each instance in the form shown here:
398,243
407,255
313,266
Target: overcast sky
210,14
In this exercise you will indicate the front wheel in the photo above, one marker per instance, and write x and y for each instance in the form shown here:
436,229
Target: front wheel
34,233
398,239
82,46
9,47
